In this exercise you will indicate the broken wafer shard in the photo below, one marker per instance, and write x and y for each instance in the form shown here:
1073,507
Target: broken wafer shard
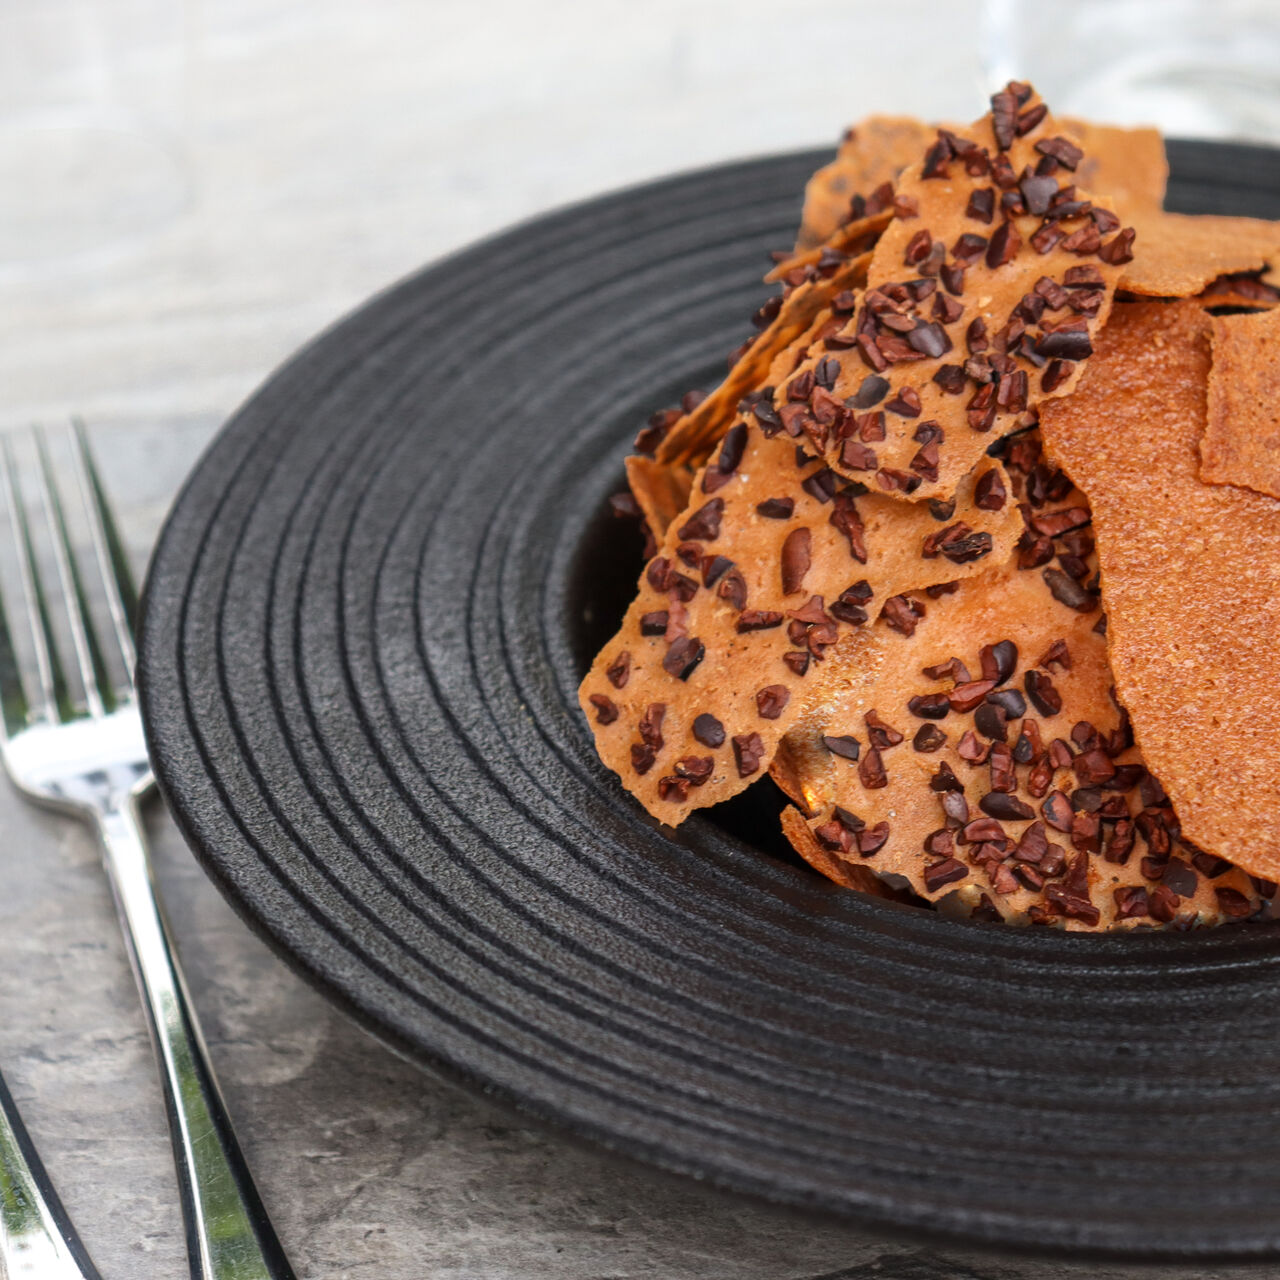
843,872
759,590
859,181
681,442
1129,165
982,763
807,294
879,149
661,492
1177,255
1174,255
1190,578
851,240
662,484
1241,443
1241,289
983,298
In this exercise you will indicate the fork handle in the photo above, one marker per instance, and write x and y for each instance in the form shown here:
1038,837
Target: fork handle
228,1232
37,1240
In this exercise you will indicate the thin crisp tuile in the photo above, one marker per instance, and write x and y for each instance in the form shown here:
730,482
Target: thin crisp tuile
940,208
693,436
851,240
1177,255
784,564
842,872
1003,604
1240,290
1129,165
872,152
662,492
1190,578
662,485
1241,443
1132,159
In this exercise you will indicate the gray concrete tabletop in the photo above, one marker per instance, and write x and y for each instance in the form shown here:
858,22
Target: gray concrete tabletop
316,150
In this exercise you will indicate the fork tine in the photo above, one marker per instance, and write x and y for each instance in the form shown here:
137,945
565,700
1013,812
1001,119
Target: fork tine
50,681
73,598
113,565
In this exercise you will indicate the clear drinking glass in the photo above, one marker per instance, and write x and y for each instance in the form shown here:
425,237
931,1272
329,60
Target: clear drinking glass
91,125
1196,68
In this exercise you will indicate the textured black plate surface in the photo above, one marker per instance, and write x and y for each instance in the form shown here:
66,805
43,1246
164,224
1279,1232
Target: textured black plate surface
363,630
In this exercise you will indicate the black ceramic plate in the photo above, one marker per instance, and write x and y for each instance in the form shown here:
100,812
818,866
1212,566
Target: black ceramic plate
363,630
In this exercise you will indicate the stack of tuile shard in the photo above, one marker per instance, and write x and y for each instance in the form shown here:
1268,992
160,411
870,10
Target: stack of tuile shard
875,576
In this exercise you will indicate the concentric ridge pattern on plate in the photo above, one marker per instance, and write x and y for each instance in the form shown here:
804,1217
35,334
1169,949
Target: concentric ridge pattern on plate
358,663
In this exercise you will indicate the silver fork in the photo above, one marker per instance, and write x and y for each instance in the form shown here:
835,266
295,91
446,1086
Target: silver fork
37,1240
86,757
